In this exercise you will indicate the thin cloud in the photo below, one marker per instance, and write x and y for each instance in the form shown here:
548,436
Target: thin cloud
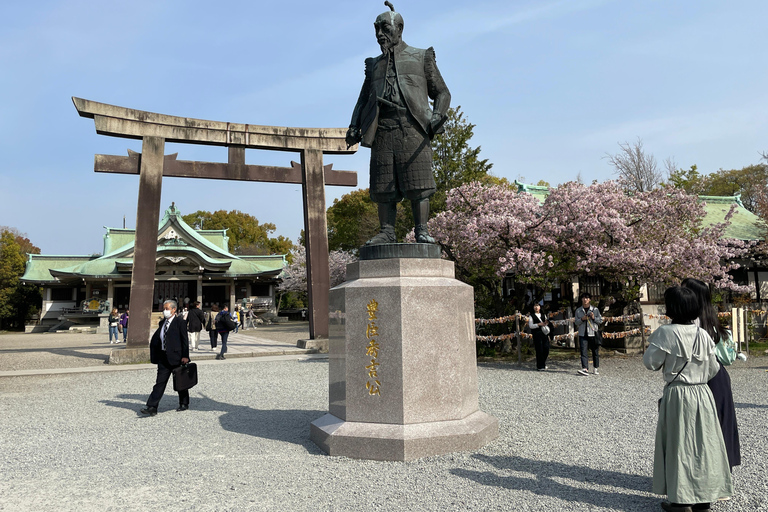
686,128
485,19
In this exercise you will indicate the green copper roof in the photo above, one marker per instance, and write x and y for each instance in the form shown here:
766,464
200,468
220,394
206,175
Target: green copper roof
536,191
745,225
39,266
217,237
177,244
115,238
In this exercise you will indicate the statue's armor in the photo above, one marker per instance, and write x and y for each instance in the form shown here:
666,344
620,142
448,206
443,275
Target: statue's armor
398,129
411,82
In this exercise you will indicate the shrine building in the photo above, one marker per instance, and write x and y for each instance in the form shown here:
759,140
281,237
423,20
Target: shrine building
191,265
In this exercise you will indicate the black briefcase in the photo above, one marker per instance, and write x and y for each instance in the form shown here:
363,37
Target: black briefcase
185,377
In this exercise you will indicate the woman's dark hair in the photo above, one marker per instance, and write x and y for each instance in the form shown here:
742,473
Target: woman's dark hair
682,304
707,314
533,312
214,308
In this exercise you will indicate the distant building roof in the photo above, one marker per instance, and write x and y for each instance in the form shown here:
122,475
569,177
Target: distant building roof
745,225
178,246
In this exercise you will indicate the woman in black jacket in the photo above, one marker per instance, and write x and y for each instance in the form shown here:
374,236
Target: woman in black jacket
720,384
538,323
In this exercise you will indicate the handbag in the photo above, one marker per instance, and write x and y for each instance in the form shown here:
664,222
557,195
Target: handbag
185,377
545,330
725,351
119,327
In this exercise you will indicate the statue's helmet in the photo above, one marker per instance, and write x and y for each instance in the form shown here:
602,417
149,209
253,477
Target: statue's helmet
394,18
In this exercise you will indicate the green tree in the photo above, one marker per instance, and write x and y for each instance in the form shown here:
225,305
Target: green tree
454,162
17,302
353,219
689,180
748,181
246,234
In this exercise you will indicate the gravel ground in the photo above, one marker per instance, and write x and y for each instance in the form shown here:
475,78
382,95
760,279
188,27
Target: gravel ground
567,443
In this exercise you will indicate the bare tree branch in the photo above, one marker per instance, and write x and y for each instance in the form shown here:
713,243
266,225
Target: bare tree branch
637,170
670,165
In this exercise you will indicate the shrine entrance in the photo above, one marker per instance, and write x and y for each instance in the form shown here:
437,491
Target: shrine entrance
152,165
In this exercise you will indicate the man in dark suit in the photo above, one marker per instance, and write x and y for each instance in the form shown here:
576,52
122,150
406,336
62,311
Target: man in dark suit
168,349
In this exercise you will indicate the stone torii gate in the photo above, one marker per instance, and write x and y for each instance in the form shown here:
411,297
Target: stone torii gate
151,164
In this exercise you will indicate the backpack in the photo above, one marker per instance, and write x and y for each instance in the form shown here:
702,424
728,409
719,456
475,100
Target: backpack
224,322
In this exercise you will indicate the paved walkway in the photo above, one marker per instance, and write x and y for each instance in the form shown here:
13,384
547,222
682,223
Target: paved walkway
70,352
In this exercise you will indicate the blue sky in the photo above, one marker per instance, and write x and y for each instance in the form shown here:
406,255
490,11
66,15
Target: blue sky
551,85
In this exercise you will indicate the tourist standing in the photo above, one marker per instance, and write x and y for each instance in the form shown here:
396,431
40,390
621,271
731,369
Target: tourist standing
538,323
195,323
690,463
210,325
224,324
168,349
124,322
587,320
720,384
113,322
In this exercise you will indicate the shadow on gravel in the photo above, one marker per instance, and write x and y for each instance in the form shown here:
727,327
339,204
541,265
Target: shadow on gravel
740,405
287,425
548,478
81,355
530,366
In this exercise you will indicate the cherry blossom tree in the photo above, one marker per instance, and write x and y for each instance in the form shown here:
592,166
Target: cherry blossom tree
295,275
655,236
491,230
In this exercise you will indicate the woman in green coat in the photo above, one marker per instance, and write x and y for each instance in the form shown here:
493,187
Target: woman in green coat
690,462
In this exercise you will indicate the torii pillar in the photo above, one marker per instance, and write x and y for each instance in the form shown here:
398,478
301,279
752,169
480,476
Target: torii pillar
156,129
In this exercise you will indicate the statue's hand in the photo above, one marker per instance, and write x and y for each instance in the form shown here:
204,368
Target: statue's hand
353,136
436,124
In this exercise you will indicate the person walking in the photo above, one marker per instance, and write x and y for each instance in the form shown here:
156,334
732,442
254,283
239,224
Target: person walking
720,384
124,322
195,323
210,325
538,323
168,349
224,324
690,463
113,322
587,320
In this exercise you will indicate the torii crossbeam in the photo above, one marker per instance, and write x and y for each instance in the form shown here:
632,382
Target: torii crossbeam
151,164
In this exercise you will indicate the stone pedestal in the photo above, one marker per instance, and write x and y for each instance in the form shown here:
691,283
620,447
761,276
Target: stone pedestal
103,327
402,364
